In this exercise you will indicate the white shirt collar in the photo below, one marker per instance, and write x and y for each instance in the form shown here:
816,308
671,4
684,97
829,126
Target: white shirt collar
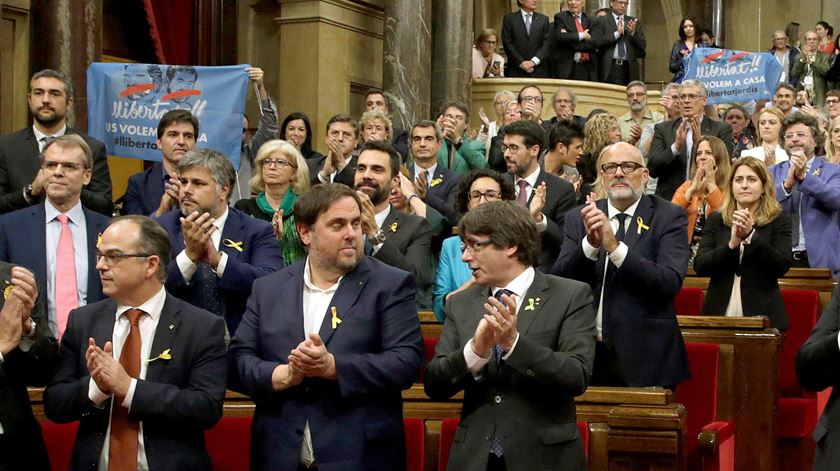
153,306
431,171
39,135
630,211
519,285
220,221
307,279
526,13
531,179
382,216
75,214
616,17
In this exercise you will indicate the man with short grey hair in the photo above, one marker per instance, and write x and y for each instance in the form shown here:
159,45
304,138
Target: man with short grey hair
633,122
564,102
220,250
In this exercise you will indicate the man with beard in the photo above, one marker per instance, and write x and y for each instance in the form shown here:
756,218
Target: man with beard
632,249
399,239
326,345
640,116
808,187
220,250
21,181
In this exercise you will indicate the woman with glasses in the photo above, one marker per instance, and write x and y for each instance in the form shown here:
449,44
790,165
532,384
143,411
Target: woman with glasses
486,62
746,248
769,149
453,275
282,177
701,195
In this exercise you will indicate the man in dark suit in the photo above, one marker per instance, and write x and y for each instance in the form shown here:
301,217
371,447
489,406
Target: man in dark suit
57,238
326,346
155,190
526,37
433,183
520,344
564,102
399,239
143,371
546,196
632,249
21,182
27,357
671,151
375,99
219,250
620,42
574,53
816,367
338,166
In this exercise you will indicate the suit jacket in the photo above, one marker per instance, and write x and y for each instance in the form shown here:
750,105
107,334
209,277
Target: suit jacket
18,370
792,53
355,420
521,46
559,198
23,241
549,124
822,62
408,246
144,192
816,368
819,207
527,399
19,163
567,43
178,400
400,142
469,155
441,191
670,168
638,318
260,256
347,175
603,39
766,259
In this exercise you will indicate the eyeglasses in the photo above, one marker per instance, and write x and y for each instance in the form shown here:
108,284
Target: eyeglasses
279,163
474,246
489,195
799,135
52,166
832,101
113,258
533,99
627,168
689,97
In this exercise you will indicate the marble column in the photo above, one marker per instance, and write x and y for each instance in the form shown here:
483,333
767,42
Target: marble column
407,59
452,62
69,36
717,22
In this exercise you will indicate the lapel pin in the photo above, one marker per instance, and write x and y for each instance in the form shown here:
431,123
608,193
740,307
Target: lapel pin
98,240
335,319
817,171
8,290
164,355
530,306
171,326
640,225
234,245
435,182
393,227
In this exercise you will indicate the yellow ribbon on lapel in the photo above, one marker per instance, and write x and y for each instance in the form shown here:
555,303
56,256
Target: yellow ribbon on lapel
817,172
164,355
8,291
335,319
98,240
435,182
238,246
393,227
640,225
530,306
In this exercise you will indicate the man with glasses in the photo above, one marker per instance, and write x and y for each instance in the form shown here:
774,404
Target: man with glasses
564,101
832,104
142,372
632,249
458,153
519,344
785,55
219,250
530,99
808,187
620,41
811,66
574,54
639,117
57,238
673,144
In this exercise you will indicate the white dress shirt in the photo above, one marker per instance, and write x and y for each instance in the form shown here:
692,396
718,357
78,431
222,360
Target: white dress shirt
525,14
78,230
39,136
188,268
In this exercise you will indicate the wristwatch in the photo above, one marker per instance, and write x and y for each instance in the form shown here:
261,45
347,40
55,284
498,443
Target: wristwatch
378,238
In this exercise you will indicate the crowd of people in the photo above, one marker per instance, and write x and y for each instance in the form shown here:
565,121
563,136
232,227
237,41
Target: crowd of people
572,237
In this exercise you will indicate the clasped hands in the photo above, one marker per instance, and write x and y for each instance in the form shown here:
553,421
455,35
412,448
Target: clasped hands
598,229
14,317
497,327
796,172
105,370
742,227
197,229
310,359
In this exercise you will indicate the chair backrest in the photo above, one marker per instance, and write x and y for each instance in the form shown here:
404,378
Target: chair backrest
415,444
59,439
699,394
689,302
583,428
802,308
429,345
229,444
447,435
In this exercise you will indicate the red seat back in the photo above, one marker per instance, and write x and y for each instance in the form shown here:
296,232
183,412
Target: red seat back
689,302
415,444
59,439
429,345
229,444
699,394
802,308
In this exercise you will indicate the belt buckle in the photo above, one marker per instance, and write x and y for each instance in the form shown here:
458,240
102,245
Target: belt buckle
799,255
618,61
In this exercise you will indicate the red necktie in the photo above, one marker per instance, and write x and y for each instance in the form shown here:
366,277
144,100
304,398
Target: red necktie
123,444
66,294
584,56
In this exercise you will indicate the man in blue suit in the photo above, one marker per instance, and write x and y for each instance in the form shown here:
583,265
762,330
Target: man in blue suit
220,250
632,249
434,184
808,187
31,237
326,346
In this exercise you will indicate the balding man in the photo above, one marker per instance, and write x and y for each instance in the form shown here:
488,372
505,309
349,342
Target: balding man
633,250
811,66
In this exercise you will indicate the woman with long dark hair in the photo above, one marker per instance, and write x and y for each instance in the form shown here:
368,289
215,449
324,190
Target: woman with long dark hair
689,37
297,131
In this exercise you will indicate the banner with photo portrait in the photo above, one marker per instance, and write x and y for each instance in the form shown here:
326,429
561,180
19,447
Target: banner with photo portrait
126,102
733,76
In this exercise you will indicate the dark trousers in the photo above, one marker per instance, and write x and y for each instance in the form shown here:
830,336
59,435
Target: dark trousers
605,372
800,260
619,74
496,463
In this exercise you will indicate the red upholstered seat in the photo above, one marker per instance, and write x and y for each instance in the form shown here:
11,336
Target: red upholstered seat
415,444
429,344
798,409
59,439
689,302
699,396
229,444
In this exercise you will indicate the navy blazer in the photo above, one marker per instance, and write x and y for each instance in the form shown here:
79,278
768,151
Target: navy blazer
23,241
441,192
144,192
355,420
638,318
521,46
179,399
260,256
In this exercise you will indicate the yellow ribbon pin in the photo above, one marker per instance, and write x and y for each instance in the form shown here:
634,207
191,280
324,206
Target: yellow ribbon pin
7,291
234,245
98,240
435,182
530,306
817,172
641,225
164,355
393,227
335,319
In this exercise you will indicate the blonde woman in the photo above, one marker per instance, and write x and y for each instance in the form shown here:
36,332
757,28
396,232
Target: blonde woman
600,131
376,126
282,176
769,141
832,144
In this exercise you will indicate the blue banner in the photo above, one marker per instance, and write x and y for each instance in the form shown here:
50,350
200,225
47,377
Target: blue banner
126,102
733,76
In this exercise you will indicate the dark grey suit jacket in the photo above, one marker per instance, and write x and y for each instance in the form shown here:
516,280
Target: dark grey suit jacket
528,398
603,38
521,46
567,43
408,246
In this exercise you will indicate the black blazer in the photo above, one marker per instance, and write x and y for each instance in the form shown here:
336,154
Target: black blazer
19,163
408,241
144,191
567,43
521,46
670,168
347,175
765,259
603,38
441,192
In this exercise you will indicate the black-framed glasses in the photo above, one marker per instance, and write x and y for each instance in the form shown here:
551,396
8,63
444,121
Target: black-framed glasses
474,246
626,167
112,258
489,195
279,163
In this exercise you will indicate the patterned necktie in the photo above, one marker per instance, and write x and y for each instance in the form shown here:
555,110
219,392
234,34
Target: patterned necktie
584,56
496,442
621,47
123,443
522,197
66,292
528,23
209,289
